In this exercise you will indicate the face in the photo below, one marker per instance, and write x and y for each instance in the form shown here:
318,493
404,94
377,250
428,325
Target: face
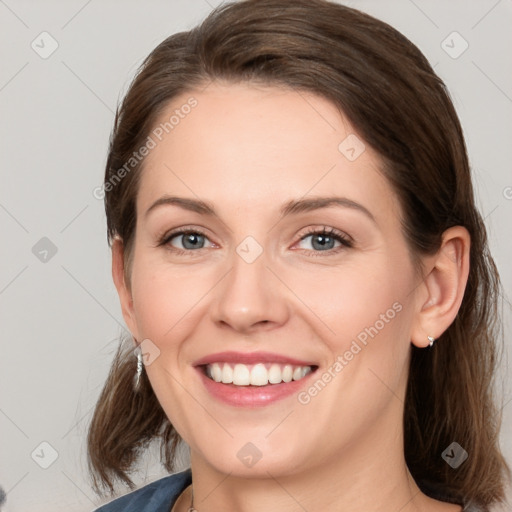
274,254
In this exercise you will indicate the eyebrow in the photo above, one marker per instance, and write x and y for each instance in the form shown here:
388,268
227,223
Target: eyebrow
289,208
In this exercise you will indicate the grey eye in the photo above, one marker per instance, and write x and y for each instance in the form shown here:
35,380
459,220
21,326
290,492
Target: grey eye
190,240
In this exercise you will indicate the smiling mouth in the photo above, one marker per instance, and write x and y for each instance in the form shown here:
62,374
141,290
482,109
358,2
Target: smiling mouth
260,374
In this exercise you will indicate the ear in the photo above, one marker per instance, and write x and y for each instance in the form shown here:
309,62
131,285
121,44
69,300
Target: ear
123,290
440,294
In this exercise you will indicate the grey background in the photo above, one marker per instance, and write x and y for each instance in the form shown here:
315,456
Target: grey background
60,316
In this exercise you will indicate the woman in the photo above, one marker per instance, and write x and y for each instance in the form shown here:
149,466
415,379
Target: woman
304,273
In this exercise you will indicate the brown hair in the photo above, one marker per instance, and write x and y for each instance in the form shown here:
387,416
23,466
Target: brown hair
386,88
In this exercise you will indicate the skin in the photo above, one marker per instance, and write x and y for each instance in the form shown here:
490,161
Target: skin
247,150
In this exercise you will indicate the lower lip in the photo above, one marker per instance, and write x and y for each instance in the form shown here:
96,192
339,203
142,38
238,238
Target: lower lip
252,396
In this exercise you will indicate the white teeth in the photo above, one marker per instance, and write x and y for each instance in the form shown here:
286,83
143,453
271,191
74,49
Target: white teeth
241,375
297,373
287,373
259,374
227,374
274,374
216,373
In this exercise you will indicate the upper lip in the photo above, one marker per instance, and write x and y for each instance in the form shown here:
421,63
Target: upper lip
250,358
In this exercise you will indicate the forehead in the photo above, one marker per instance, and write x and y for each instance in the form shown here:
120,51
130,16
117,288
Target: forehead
247,146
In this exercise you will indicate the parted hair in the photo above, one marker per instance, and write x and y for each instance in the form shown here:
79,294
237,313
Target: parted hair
386,88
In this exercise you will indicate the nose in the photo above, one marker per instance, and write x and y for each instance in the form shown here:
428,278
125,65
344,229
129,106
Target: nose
250,298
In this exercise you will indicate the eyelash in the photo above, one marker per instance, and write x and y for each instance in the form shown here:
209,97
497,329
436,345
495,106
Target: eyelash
345,241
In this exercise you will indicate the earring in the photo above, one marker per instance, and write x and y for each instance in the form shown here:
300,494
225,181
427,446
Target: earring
431,340
138,371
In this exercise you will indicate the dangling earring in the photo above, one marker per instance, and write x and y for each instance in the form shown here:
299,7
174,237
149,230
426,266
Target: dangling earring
430,340
138,371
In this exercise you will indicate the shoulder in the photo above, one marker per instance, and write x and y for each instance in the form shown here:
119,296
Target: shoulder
157,496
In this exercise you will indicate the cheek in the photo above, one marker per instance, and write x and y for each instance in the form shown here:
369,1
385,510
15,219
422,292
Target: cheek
364,317
167,298
368,350
356,300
